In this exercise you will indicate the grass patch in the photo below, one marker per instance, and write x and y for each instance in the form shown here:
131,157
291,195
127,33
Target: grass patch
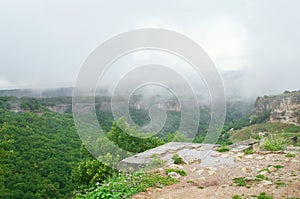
260,176
263,195
280,184
179,171
248,151
278,166
237,197
223,148
240,181
293,173
290,155
245,133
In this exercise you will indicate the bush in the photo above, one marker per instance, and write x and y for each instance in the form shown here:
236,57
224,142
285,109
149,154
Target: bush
275,142
177,159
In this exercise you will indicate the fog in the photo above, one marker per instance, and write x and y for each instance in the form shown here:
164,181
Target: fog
254,44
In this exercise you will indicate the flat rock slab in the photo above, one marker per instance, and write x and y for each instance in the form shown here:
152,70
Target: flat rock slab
203,154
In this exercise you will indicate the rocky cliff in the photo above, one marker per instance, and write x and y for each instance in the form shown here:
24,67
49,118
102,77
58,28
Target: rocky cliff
284,108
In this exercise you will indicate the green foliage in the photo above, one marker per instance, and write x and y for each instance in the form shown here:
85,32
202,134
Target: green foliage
290,155
278,166
280,184
129,138
124,185
240,181
5,153
265,116
287,130
260,196
263,195
47,160
260,176
91,171
177,159
237,197
223,148
248,151
46,148
275,142
179,171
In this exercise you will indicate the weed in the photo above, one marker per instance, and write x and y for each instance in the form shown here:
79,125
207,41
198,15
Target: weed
236,197
293,173
223,148
177,159
290,155
280,184
260,176
180,172
264,196
278,166
240,181
248,151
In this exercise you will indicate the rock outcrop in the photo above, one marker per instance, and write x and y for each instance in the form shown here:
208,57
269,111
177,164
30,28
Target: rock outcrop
205,155
284,108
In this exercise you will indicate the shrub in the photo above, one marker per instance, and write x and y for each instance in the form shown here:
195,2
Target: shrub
177,159
275,143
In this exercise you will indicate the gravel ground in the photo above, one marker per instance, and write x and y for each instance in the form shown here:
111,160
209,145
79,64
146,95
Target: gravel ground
217,182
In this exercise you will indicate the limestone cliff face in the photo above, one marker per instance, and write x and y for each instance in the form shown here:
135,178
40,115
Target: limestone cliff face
284,108
106,106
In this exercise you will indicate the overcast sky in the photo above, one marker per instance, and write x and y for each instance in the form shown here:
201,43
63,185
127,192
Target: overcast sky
43,43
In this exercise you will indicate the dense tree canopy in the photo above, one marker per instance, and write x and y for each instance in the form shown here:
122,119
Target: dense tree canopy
46,158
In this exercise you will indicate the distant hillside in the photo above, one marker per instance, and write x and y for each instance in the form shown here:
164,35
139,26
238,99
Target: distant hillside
284,108
48,92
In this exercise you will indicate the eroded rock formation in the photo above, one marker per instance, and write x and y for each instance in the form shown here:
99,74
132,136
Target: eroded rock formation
284,108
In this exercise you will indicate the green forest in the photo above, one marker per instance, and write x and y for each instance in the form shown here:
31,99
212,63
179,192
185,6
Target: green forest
42,156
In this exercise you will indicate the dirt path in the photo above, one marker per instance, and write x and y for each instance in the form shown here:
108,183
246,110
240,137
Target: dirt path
281,180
